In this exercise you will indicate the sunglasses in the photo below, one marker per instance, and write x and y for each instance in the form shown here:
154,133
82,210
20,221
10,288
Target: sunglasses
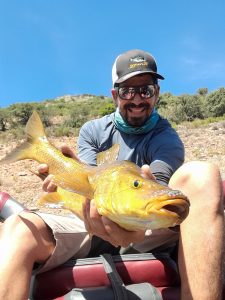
128,93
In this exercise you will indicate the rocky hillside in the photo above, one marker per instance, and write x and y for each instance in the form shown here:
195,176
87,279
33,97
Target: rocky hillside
205,143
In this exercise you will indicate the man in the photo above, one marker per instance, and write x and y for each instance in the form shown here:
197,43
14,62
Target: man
39,242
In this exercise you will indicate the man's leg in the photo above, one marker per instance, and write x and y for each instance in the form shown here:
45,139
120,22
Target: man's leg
202,233
24,239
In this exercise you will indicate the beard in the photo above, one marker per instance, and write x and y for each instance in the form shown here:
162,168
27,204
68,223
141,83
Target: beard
136,121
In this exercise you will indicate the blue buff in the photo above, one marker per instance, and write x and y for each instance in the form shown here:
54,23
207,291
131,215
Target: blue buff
122,125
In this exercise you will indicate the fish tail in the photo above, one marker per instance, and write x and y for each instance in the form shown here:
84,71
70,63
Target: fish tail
34,128
34,133
21,152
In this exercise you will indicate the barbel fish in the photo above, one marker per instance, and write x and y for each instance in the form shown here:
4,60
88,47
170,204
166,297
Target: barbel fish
117,187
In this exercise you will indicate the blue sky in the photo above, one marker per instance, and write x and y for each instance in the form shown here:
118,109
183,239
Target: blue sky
51,48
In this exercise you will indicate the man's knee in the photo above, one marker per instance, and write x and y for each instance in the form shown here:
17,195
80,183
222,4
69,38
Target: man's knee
28,233
196,173
201,182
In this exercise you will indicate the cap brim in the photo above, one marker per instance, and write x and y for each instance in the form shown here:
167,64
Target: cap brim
127,76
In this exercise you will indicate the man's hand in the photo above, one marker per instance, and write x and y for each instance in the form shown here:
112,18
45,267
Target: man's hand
48,185
106,229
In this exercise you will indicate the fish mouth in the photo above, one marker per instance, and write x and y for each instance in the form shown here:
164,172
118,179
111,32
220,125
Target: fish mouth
170,203
172,208
181,210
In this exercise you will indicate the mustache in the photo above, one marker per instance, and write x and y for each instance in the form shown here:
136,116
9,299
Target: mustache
132,105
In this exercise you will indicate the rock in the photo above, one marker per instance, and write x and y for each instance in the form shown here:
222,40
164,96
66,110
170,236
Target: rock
22,173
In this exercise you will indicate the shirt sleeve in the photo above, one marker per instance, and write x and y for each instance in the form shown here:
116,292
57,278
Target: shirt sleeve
87,144
167,155
162,171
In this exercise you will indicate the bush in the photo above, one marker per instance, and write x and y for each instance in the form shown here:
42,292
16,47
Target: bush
215,103
181,108
106,109
61,131
192,106
4,119
21,112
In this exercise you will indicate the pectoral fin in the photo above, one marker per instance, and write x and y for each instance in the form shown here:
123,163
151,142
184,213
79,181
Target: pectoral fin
49,198
64,199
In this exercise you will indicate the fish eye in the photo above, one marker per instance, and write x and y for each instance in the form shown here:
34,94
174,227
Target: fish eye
137,184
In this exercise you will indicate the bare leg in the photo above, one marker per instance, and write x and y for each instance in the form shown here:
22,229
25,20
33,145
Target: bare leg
24,239
202,233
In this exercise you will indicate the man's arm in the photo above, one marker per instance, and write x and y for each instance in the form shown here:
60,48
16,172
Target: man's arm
87,144
166,155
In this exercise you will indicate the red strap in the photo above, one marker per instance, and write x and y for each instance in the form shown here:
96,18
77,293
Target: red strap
3,198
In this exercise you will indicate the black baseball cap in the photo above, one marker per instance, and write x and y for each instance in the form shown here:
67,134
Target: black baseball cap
132,63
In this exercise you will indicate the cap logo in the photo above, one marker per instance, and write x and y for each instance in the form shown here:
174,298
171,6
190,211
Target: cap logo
137,59
137,62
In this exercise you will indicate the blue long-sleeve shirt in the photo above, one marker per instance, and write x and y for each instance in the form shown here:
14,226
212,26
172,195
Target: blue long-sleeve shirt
160,148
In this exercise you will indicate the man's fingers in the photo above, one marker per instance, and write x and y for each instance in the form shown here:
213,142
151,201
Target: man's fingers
116,232
96,220
146,172
106,229
68,151
92,219
93,222
48,185
86,209
123,237
42,168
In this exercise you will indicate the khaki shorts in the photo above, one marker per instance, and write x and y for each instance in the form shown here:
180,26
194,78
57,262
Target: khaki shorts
72,240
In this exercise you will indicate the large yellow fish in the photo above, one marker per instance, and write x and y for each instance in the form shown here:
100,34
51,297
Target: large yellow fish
117,187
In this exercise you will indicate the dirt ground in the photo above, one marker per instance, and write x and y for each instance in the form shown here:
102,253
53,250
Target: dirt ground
203,143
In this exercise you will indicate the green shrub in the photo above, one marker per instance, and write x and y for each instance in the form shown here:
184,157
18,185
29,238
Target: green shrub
61,131
17,133
181,108
215,103
106,109
21,113
4,119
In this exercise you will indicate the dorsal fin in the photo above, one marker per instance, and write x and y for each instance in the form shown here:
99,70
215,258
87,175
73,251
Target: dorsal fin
108,156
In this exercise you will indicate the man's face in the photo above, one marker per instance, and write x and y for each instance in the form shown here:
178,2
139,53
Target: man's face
137,110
